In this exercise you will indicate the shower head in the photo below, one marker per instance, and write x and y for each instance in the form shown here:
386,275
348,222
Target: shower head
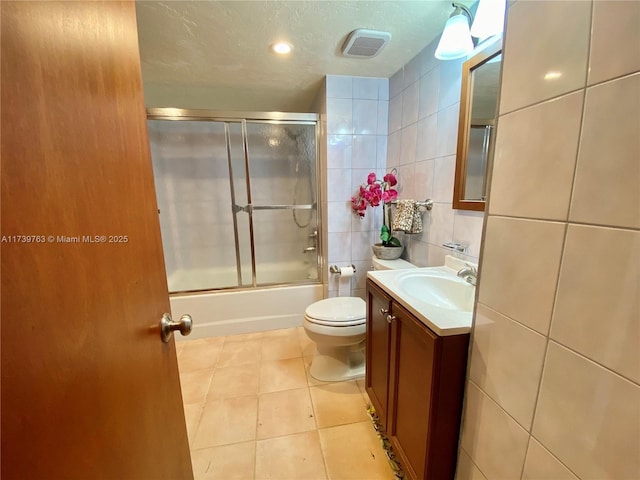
293,136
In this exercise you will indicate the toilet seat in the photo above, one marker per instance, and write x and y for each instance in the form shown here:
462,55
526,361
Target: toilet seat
337,312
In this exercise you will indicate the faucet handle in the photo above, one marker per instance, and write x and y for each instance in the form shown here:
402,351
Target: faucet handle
473,268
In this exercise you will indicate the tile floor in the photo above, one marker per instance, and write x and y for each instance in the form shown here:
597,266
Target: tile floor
254,412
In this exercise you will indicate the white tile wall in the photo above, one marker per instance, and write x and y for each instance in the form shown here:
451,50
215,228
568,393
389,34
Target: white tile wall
588,416
507,362
341,87
467,470
365,153
522,285
429,93
615,26
339,116
357,128
563,294
423,128
365,117
408,142
492,439
410,104
562,49
364,87
544,138
541,464
427,143
609,153
587,296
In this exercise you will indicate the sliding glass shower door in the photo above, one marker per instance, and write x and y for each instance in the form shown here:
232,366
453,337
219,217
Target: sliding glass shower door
237,199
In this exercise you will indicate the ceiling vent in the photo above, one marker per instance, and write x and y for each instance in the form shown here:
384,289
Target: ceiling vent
363,43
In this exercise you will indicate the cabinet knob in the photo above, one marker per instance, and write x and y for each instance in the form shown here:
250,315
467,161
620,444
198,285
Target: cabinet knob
390,318
384,311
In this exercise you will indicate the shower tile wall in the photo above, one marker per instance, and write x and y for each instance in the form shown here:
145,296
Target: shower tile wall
356,128
423,127
554,379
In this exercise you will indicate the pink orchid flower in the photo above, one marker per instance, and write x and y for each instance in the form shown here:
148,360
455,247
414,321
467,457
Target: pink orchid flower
390,178
374,192
389,195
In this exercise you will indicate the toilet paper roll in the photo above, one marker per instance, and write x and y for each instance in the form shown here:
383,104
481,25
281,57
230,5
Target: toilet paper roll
344,281
346,271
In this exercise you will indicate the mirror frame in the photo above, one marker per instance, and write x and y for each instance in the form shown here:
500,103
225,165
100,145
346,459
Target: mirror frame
466,94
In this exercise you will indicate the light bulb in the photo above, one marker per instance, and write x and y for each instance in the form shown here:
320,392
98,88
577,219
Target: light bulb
281,48
455,41
489,18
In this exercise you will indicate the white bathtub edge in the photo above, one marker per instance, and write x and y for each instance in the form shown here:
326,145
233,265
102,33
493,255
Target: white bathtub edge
230,313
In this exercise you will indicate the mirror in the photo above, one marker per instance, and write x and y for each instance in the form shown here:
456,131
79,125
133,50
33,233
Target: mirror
476,127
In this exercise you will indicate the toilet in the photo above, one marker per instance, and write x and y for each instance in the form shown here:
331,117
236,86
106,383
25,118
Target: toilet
338,328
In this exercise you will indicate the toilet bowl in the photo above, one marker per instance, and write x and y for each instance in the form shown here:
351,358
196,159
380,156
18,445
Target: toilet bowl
338,328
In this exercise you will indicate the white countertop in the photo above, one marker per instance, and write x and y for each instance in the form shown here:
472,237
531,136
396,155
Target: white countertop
442,321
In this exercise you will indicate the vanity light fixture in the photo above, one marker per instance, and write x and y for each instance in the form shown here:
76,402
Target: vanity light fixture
455,41
281,48
489,19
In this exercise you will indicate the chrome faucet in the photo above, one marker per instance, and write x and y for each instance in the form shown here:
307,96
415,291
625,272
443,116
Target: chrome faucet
469,273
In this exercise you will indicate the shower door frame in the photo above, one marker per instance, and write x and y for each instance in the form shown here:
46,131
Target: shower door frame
275,118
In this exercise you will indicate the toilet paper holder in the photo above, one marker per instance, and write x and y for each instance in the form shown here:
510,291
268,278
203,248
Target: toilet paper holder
336,269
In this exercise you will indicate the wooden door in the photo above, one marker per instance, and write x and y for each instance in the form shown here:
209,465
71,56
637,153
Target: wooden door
89,390
378,344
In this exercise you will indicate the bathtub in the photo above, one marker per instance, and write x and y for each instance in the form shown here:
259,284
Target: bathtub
230,312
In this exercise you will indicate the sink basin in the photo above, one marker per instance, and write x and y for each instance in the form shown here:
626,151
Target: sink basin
435,295
438,289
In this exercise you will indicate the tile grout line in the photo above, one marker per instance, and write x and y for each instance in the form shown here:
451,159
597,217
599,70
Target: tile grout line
308,388
554,456
201,406
317,430
255,438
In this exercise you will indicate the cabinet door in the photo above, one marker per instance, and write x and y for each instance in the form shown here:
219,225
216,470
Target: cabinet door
413,350
378,343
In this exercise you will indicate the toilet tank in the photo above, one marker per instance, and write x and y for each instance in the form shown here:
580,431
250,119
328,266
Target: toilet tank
398,264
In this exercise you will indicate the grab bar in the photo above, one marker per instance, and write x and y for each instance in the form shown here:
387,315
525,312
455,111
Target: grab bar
249,208
428,203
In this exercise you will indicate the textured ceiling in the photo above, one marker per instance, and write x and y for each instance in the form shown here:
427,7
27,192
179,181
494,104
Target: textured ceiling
214,54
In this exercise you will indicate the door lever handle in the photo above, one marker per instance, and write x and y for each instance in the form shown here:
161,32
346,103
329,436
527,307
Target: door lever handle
167,326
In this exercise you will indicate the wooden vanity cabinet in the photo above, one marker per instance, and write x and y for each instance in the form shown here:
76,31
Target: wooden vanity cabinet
378,350
420,404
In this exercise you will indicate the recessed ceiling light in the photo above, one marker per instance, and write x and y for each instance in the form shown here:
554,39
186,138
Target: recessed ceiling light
281,48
